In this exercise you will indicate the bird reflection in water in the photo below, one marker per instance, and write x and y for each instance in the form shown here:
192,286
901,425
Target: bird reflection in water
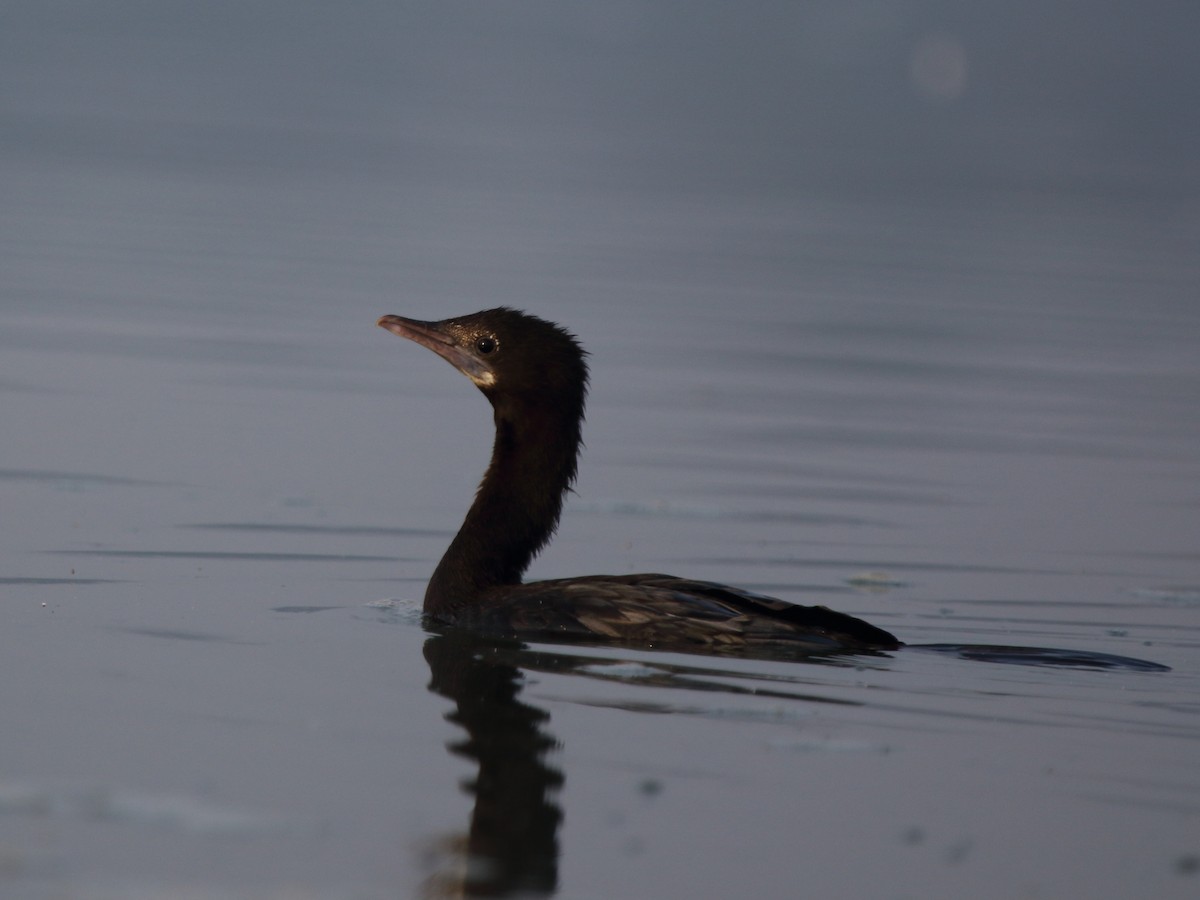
511,847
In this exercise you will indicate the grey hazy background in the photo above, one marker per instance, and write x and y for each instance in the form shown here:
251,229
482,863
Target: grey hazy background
891,306
663,97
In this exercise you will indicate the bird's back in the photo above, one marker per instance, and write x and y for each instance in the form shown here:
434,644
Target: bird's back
666,612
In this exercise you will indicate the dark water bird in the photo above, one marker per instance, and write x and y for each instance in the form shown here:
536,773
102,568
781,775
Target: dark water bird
535,376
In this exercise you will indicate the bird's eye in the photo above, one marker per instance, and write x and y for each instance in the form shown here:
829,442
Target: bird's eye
485,344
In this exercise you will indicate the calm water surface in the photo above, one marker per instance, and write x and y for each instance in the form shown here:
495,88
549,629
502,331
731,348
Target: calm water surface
963,408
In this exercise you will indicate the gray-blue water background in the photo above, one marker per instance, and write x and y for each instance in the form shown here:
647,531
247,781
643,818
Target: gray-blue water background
892,306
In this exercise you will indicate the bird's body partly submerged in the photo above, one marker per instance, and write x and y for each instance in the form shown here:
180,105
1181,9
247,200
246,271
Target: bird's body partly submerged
535,377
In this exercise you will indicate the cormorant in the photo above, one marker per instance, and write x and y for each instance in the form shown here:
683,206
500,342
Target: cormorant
534,374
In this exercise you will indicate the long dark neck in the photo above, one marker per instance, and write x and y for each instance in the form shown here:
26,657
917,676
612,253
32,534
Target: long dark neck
516,508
